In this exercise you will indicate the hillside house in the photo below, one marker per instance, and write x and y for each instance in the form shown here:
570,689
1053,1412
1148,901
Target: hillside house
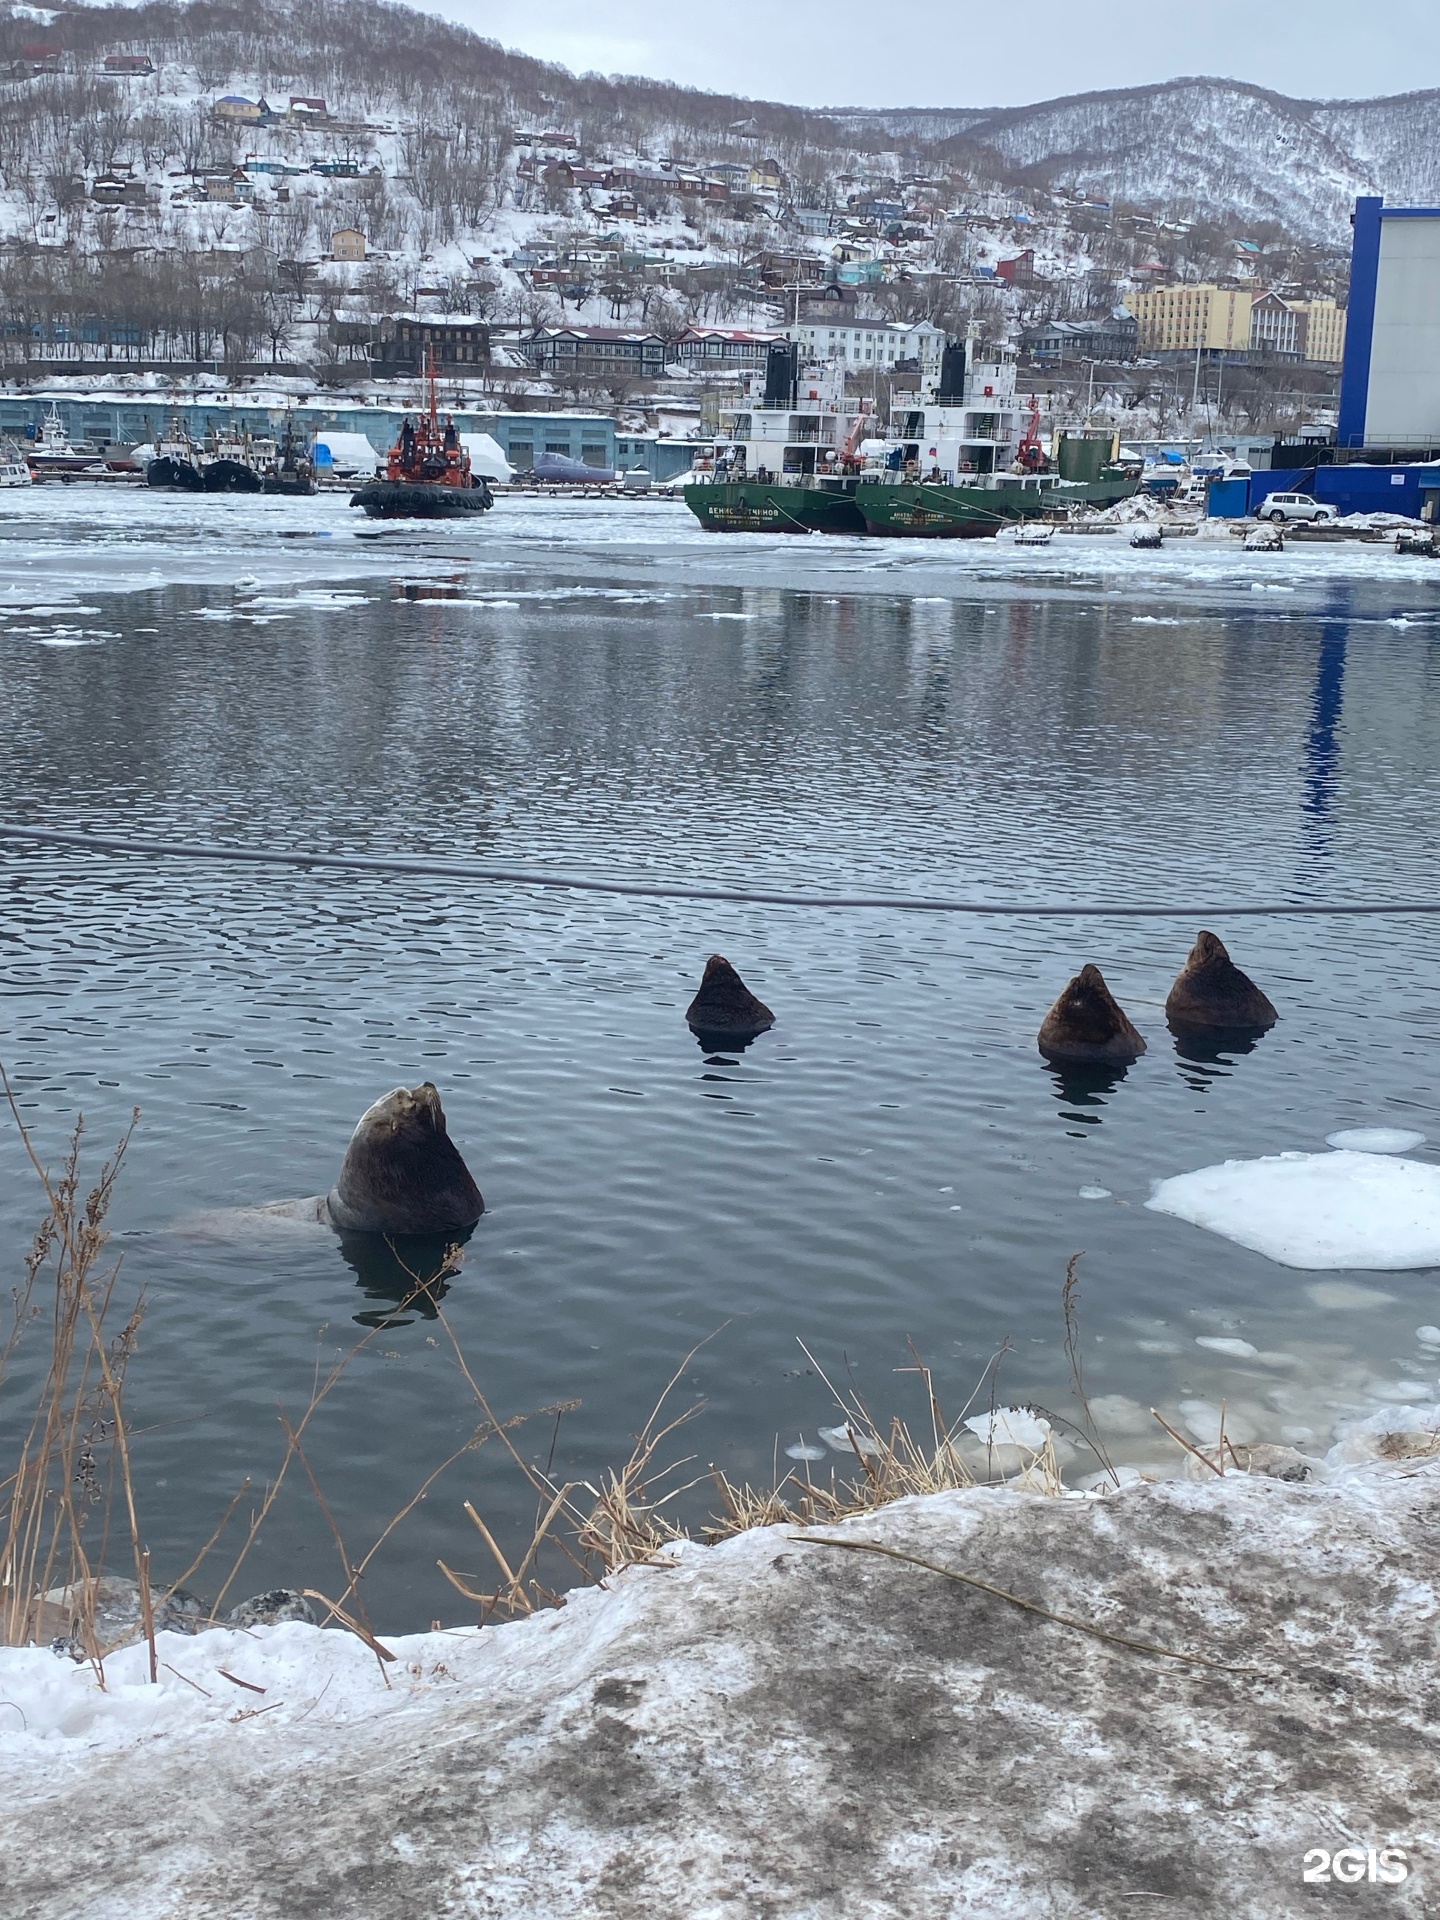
715,349
402,343
237,110
128,66
1105,340
307,109
1018,271
347,244
597,353
869,343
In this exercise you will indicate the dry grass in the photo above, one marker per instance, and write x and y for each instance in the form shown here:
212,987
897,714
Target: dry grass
631,1515
73,1457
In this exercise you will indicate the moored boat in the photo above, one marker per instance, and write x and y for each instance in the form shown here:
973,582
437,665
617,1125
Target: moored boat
14,468
232,463
175,463
957,467
427,473
789,465
292,469
52,452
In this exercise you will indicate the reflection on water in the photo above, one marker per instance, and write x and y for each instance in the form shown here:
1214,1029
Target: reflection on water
1085,1084
889,1170
1322,748
409,1271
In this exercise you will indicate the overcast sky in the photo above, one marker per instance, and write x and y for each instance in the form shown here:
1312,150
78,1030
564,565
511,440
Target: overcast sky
938,53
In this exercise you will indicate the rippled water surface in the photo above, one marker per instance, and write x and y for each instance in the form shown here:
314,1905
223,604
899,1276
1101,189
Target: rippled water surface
602,689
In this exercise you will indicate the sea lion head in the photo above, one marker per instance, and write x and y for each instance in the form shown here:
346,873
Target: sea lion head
1211,993
402,1173
724,1011
1088,1023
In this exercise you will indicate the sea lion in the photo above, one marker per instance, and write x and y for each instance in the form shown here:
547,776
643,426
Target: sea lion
725,1012
402,1173
1211,991
1088,1023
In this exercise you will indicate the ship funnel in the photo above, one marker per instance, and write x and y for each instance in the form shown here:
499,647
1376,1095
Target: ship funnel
952,375
780,374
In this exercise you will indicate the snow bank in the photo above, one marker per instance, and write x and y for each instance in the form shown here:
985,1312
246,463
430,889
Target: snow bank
1316,1210
772,1726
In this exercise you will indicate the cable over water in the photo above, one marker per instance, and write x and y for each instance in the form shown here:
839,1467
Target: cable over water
211,851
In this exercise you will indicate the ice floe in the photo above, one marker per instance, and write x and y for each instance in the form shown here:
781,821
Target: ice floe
1095,1193
1347,1296
1375,1139
1316,1210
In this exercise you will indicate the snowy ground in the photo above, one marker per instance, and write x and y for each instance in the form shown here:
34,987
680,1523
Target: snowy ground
789,1730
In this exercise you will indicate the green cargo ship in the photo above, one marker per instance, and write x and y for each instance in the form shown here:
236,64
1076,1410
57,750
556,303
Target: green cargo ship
925,510
754,506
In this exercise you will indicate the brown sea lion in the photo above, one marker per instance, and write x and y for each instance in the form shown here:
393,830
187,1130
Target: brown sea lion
1211,991
1087,1023
725,1009
402,1173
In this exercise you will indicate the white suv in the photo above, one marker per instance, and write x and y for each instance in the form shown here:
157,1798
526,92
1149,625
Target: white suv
1293,506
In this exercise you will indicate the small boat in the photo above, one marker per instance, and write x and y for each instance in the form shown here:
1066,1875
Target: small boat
291,470
53,452
14,468
231,464
427,473
175,464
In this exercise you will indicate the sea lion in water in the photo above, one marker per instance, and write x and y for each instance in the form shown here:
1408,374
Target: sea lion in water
1211,991
402,1173
1088,1023
724,1011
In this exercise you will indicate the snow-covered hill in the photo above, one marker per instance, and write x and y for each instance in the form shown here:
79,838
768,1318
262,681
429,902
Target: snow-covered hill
1198,148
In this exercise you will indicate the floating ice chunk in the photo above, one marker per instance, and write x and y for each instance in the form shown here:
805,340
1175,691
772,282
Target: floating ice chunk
1316,1210
1010,1427
1347,1296
1237,1349
1296,1436
1104,1483
1203,1419
1375,1139
1117,1413
1095,1193
1405,1392
1428,1336
840,1439
802,1450
1395,1433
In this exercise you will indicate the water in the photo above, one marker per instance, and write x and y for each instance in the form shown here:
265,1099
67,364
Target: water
604,689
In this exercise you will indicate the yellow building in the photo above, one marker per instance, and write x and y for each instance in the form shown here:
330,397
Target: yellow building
1324,330
347,243
1174,318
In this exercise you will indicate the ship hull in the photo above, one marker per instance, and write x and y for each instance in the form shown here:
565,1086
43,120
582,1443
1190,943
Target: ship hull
413,500
177,476
230,476
748,506
297,484
934,512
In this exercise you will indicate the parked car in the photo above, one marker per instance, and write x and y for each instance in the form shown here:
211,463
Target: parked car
1293,506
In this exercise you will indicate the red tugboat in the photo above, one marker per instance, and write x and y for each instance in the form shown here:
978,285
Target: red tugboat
427,474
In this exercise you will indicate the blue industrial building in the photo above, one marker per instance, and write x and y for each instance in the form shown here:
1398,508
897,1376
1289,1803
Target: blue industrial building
126,418
1390,385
